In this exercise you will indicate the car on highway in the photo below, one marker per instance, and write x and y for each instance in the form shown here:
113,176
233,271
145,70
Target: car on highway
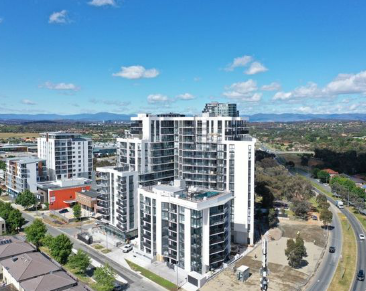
361,236
332,250
127,248
361,275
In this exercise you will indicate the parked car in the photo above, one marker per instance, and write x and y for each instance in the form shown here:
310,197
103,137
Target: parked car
65,210
314,217
127,248
361,236
361,275
332,249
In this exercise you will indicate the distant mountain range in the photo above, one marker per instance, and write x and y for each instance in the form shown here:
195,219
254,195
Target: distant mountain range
105,116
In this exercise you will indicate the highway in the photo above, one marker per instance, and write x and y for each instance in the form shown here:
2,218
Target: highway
323,273
135,281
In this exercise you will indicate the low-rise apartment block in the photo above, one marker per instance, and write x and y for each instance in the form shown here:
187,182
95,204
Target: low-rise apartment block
24,173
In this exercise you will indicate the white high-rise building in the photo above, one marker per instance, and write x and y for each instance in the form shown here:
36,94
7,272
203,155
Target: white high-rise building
185,227
117,201
68,155
212,151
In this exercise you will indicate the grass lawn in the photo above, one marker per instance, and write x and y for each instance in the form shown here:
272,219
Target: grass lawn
18,134
153,277
361,218
98,247
345,272
106,251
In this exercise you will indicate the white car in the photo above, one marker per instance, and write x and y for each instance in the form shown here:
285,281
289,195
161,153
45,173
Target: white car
361,236
127,248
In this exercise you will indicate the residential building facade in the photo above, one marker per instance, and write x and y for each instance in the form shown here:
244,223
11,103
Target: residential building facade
212,151
221,109
24,173
189,228
117,200
68,155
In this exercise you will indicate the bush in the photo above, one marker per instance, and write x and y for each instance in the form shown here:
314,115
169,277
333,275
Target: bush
105,278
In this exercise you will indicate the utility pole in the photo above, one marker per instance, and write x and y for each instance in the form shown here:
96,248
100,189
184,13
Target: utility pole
264,270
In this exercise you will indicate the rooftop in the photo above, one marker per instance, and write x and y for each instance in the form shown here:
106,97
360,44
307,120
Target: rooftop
27,266
26,160
10,246
90,193
49,282
74,182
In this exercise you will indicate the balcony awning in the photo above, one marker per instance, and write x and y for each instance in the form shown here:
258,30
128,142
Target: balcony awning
70,201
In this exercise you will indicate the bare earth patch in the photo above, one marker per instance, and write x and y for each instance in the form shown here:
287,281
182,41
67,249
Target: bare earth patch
281,277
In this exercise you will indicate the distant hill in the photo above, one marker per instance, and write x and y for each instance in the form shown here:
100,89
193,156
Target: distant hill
106,116
292,117
86,117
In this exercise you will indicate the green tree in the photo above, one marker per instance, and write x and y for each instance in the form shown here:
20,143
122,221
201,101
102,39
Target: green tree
47,241
36,232
323,176
3,165
15,221
320,198
326,216
77,211
315,172
272,218
61,248
26,199
300,208
79,262
295,252
105,278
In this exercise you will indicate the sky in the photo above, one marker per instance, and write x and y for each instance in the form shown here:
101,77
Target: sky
130,56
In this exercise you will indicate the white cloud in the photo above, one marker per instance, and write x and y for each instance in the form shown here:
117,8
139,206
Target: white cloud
110,102
239,62
243,91
342,84
99,3
255,68
136,72
28,102
274,86
157,98
304,109
60,86
185,96
59,17
348,84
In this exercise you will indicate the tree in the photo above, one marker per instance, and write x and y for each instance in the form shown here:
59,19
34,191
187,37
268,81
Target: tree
15,221
36,232
77,211
26,199
295,252
314,173
61,248
326,216
105,278
320,198
3,166
47,241
290,164
272,218
300,208
79,262
323,176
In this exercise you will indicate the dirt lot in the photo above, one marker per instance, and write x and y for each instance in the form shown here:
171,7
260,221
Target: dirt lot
282,277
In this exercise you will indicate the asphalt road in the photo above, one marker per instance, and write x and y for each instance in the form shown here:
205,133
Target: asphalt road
325,272
135,281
